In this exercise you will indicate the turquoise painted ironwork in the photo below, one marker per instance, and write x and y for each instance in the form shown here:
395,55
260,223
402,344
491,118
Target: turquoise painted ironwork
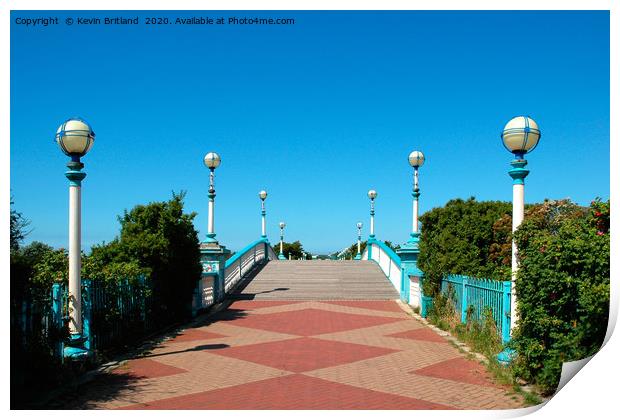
399,276
130,303
474,295
57,320
518,171
75,174
238,254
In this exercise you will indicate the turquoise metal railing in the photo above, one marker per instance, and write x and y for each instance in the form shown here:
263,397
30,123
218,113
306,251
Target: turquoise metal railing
116,312
476,295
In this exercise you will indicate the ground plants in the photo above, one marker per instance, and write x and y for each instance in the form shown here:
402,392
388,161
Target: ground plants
562,288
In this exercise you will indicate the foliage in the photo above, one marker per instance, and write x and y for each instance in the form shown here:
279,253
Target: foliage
18,225
464,237
351,251
562,288
294,249
480,337
390,244
160,240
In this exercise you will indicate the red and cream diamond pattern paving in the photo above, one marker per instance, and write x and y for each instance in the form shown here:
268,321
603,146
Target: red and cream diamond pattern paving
299,355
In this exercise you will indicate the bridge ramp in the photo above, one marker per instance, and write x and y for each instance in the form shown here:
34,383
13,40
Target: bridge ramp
319,280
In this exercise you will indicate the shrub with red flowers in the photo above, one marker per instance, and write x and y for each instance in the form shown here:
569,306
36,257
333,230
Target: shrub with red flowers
562,288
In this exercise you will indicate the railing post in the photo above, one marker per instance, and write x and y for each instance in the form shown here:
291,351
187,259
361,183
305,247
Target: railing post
506,311
87,311
464,301
57,316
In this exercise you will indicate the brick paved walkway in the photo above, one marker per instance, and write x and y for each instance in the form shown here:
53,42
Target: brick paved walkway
300,355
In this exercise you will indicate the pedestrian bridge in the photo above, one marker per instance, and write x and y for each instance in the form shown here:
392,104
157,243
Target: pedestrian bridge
318,280
255,272
299,335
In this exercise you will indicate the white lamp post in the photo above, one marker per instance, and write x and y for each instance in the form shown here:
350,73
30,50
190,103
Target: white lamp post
263,195
359,241
75,138
211,160
372,194
520,136
416,160
281,255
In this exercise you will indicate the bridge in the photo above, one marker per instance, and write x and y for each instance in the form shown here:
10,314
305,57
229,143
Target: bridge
314,334
271,333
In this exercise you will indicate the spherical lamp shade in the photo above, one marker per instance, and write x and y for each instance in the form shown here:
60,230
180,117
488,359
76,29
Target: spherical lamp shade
262,194
282,225
521,135
359,225
75,137
416,159
372,194
212,160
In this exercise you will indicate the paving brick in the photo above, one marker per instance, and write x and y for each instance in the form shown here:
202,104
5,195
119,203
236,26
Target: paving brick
325,353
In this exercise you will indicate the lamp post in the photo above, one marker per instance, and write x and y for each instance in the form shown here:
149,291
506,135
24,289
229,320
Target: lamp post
212,160
520,136
359,241
213,255
75,138
410,287
281,255
372,194
416,160
263,195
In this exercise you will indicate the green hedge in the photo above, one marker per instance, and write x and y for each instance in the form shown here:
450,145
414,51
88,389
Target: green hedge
465,237
562,288
563,280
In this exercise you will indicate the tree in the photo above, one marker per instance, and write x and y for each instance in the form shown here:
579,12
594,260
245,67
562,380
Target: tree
161,239
459,238
18,228
351,252
294,249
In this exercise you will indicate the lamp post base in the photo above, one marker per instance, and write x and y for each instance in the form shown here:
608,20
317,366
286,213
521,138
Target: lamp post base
506,356
211,239
77,348
213,258
281,256
410,288
358,257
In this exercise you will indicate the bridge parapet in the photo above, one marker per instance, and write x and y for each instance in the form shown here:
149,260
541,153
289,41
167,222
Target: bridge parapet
220,274
245,261
404,277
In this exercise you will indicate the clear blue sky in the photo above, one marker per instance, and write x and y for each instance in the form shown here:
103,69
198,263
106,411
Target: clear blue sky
316,113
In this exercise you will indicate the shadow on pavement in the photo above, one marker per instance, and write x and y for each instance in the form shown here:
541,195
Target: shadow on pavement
197,348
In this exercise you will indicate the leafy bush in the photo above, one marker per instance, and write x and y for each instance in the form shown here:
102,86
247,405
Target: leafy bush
294,249
159,239
562,288
464,237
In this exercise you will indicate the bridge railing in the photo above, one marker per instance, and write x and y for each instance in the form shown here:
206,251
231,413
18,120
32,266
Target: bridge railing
387,260
245,261
476,296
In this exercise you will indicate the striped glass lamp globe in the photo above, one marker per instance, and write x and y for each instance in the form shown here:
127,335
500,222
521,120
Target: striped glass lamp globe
359,225
212,160
262,194
416,159
75,137
372,194
521,135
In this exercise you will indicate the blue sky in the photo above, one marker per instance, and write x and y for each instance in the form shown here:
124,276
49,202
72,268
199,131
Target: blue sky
316,113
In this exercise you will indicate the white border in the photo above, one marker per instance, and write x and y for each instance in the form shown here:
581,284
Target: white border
592,394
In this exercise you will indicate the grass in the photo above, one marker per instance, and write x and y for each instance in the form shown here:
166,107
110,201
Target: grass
481,337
